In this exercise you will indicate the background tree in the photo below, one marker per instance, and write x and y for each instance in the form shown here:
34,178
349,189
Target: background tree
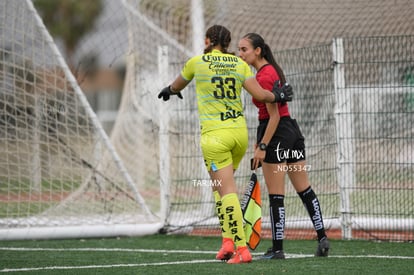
69,20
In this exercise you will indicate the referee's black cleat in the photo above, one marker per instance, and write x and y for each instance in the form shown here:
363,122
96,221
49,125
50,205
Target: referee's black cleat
273,255
323,248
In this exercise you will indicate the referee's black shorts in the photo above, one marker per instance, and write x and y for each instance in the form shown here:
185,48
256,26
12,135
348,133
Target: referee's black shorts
287,144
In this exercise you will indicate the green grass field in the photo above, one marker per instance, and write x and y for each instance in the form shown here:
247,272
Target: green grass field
179,254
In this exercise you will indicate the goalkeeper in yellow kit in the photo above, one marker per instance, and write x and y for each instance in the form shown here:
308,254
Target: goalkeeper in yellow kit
219,78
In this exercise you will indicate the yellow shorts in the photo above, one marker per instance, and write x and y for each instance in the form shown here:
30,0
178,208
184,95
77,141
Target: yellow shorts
223,147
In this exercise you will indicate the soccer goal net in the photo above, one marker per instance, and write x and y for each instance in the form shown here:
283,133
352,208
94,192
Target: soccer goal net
62,175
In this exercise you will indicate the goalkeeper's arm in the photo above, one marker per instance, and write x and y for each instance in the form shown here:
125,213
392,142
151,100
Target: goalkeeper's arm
174,89
278,94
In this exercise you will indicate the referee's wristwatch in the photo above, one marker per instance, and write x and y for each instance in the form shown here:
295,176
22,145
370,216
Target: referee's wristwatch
262,146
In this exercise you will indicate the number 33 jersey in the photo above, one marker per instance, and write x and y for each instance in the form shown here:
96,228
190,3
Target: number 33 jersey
219,79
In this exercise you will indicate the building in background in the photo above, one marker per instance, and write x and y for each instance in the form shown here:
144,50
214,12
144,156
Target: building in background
100,56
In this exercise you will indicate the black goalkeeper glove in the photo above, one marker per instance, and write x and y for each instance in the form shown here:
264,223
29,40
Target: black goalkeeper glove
282,94
166,93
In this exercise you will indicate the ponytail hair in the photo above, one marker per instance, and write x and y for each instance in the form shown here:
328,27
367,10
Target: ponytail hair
266,53
219,36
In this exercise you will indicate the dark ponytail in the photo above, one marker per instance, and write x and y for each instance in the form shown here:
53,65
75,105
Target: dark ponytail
219,36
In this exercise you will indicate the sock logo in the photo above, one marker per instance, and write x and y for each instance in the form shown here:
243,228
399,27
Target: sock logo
280,226
233,226
229,209
220,215
317,218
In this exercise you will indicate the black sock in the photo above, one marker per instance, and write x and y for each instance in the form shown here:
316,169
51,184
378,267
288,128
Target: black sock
312,205
277,220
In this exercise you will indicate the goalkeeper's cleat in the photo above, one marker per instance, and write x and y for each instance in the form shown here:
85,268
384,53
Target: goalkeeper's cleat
242,255
226,250
273,255
323,248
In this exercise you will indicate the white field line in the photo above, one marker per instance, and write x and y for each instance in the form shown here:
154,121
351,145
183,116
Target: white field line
138,250
288,256
103,266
